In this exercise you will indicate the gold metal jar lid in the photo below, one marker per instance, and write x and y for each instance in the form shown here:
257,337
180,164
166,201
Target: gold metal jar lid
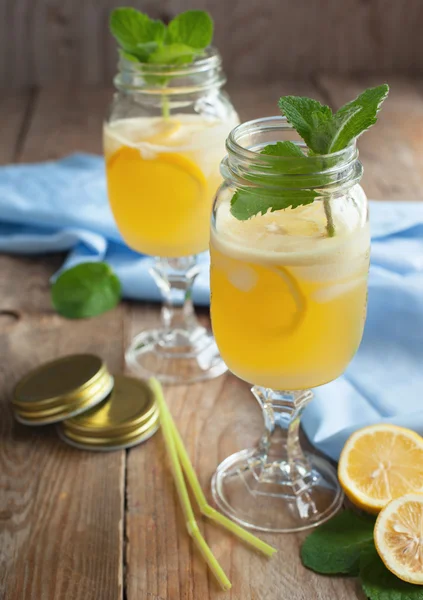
127,417
60,389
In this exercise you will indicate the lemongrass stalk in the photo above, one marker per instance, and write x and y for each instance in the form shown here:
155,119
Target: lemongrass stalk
239,531
205,508
181,488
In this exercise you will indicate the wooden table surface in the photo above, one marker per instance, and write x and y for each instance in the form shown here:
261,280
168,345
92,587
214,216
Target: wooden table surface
85,526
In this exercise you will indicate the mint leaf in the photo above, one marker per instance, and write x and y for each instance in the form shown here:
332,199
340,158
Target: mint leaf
87,290
193,28
335,546
380,584
172,54
309,118
283,149
143,51
325,132
131,28
246,204
128,56
156,30
149,41
357,116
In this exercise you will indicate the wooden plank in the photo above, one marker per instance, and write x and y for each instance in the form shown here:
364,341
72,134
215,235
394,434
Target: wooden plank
215,419
254,101
66,119
49,41
61,510
392,151
14,108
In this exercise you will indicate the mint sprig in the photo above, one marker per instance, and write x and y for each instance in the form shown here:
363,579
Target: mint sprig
87,290
344,546
325,133
380,584
149,40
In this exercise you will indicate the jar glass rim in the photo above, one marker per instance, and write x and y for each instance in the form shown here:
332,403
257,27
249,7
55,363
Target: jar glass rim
247,167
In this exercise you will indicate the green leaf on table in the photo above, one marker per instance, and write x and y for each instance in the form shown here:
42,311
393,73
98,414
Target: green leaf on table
335,547
193,28
380,584
87,290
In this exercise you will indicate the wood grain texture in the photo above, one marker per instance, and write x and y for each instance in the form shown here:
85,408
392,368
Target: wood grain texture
14,112
61,510
46,41
66,119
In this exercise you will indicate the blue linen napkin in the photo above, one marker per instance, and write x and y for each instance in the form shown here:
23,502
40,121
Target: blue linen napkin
62,205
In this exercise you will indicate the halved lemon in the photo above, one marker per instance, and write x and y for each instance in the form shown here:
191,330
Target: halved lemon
398,537
380,463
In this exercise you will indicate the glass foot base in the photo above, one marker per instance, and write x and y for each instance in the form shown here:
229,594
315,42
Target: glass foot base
267,499
175,357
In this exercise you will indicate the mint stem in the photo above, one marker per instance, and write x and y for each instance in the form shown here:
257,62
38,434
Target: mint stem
330,227
165,107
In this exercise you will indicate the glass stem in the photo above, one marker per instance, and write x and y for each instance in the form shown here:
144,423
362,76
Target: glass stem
281,456
175,278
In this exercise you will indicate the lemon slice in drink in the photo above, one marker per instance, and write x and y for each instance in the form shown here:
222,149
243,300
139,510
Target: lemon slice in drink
272,293
164,131
167,175
380,463
398,537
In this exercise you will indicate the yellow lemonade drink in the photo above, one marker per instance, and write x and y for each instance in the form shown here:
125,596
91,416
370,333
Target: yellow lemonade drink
288,302
162,175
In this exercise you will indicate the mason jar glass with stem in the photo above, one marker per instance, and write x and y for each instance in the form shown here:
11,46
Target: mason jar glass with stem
289,293
163,142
